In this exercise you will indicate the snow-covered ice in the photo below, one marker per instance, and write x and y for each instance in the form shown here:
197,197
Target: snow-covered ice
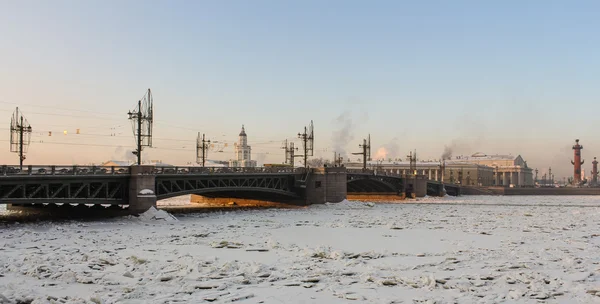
146,192
154,214
450,250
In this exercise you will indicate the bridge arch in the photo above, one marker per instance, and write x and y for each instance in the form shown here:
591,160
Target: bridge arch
262,186
373,183
245,192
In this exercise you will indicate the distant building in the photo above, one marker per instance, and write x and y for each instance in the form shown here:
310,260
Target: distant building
220,163
451,172
125,163
243,152
116,163
509,170
209,163
475,170
157,163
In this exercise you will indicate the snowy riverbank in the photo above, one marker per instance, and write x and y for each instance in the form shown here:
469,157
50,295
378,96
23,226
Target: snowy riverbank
534,249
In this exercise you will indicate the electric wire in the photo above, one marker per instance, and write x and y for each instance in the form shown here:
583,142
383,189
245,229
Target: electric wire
58,108
38,135
69,115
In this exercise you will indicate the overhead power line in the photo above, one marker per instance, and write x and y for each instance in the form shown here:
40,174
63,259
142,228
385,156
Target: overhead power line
57,108
72,115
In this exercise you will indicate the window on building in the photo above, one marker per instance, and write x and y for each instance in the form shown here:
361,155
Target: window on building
317,184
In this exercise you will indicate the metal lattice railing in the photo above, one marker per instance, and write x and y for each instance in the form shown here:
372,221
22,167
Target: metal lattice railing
6,170
174,185
61,170
222,170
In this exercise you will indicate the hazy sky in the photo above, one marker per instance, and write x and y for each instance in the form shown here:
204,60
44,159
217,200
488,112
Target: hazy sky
518,77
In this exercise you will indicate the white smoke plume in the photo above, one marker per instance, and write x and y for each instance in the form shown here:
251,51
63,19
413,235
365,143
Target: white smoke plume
448,150
388,151
123,154
344,135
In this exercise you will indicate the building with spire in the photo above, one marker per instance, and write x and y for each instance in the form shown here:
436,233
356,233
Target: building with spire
243,152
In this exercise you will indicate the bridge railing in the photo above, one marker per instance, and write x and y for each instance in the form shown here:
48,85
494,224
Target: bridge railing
359,171
373,172
384,173
37,170
222,170
6,170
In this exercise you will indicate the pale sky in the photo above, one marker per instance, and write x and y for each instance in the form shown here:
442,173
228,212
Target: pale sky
516,77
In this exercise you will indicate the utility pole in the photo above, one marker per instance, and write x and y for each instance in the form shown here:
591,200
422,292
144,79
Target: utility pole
412,157
369,147
21,154
19,130
139,134
337,159
289,152
443,168
142,119
201,149
308,143
285,149
366,152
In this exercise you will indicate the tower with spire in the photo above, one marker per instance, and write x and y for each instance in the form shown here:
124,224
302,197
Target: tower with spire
243,152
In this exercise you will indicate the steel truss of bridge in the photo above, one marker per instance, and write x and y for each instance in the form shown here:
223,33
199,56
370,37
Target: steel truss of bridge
99,185
90,190
176,185
119,185
364,182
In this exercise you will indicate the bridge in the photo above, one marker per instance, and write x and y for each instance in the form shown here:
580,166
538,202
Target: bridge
140,187
373,182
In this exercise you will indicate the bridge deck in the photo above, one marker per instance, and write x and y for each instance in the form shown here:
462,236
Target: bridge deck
40,184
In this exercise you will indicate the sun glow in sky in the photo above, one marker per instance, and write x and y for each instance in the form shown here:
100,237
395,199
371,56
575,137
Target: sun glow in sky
516,77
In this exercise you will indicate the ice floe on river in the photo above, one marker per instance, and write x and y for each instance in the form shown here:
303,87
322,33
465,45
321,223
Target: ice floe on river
454,250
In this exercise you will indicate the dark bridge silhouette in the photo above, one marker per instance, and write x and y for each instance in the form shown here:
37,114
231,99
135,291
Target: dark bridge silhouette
100,185
230,182
370,181
141,186
367,181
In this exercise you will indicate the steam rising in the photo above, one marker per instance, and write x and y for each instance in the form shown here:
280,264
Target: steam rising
346,123
343,136
122,154
387,151
447,154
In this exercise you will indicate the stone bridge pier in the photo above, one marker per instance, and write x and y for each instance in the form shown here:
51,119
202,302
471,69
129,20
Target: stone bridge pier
142,185
326,185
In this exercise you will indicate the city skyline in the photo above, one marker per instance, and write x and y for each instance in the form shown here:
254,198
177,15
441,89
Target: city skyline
480,77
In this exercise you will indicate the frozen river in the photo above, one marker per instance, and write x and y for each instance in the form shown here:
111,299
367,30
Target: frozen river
449,250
